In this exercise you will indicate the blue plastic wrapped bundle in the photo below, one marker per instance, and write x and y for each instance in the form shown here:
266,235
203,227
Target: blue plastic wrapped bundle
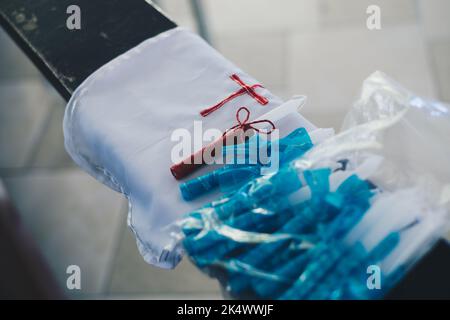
335,222
271,188
247,222
319,283
328,231
232,176
349,277
235,213
293,233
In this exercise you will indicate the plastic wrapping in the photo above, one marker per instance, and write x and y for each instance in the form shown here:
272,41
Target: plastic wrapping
242,170
346,219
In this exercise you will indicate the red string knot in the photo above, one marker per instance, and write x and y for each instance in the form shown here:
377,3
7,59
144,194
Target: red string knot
245,125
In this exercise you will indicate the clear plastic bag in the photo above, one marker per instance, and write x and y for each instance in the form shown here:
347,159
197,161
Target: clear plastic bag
361,206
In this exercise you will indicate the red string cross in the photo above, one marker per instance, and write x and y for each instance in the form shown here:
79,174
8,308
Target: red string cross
245,89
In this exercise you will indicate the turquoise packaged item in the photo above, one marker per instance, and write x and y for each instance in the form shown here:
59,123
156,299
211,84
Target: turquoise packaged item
276,242
345,219
234,175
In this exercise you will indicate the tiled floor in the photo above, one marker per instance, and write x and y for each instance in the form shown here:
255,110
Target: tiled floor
434,18
440,51
334,13
131,275
265,57
51,152
22,120
321,48
260,16
74,220
322,67
13,63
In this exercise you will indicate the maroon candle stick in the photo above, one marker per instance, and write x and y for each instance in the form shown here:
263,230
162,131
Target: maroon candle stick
236,134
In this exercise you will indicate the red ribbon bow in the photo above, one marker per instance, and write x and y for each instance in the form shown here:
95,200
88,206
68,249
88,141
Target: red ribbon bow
245,125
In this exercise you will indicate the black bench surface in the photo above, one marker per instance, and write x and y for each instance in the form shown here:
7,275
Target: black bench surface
67,57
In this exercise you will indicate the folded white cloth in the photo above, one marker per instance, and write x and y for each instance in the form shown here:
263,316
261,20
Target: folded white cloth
118,125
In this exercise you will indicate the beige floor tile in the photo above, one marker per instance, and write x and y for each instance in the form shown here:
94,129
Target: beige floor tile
133,276
50,153
74,221
333,13
260,54
14,64
329,67
441,62
435,18
24,107
226,16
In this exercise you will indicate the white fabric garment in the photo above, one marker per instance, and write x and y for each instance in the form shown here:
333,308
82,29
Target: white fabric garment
118,125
